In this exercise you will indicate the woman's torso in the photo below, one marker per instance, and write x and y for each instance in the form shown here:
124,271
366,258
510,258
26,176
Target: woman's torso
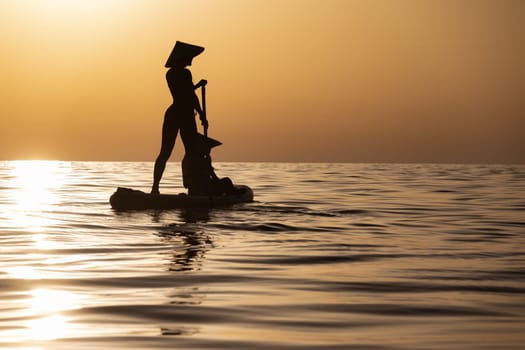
181,88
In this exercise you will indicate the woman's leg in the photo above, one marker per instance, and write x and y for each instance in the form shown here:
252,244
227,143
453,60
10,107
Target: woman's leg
169,135
188,130
190,163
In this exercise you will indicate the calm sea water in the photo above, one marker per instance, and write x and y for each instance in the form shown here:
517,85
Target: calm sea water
329,256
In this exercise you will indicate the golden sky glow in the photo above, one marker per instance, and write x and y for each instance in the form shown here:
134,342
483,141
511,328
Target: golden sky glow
289,80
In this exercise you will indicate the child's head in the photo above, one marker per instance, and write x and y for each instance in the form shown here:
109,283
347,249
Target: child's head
203,145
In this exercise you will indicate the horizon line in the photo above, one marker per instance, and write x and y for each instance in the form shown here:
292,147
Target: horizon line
271,161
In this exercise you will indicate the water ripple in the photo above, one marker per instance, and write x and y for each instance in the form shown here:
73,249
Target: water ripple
330,256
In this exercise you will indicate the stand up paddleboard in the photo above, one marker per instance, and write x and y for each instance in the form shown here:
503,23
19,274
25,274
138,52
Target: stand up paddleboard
130,199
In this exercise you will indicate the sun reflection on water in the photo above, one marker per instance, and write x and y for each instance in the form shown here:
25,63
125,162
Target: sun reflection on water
32,188
45,300
43,317
41,241
47,328
49,302
32,181
24,273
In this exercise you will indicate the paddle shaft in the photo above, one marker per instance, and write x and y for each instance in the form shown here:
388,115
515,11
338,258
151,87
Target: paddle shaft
203,98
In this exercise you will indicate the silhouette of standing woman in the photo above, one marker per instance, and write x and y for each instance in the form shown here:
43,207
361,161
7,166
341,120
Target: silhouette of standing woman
180,116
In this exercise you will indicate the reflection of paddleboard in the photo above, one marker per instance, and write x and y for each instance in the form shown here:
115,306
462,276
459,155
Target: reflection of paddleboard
130,199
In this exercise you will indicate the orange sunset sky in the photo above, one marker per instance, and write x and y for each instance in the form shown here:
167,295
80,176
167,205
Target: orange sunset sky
289,80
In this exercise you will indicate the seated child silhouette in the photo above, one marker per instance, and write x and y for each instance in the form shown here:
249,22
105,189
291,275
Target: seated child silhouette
198,175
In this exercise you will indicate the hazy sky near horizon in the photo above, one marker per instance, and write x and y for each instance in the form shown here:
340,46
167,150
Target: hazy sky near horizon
289,80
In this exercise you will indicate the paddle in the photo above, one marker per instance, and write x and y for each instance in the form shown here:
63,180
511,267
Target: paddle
205,121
